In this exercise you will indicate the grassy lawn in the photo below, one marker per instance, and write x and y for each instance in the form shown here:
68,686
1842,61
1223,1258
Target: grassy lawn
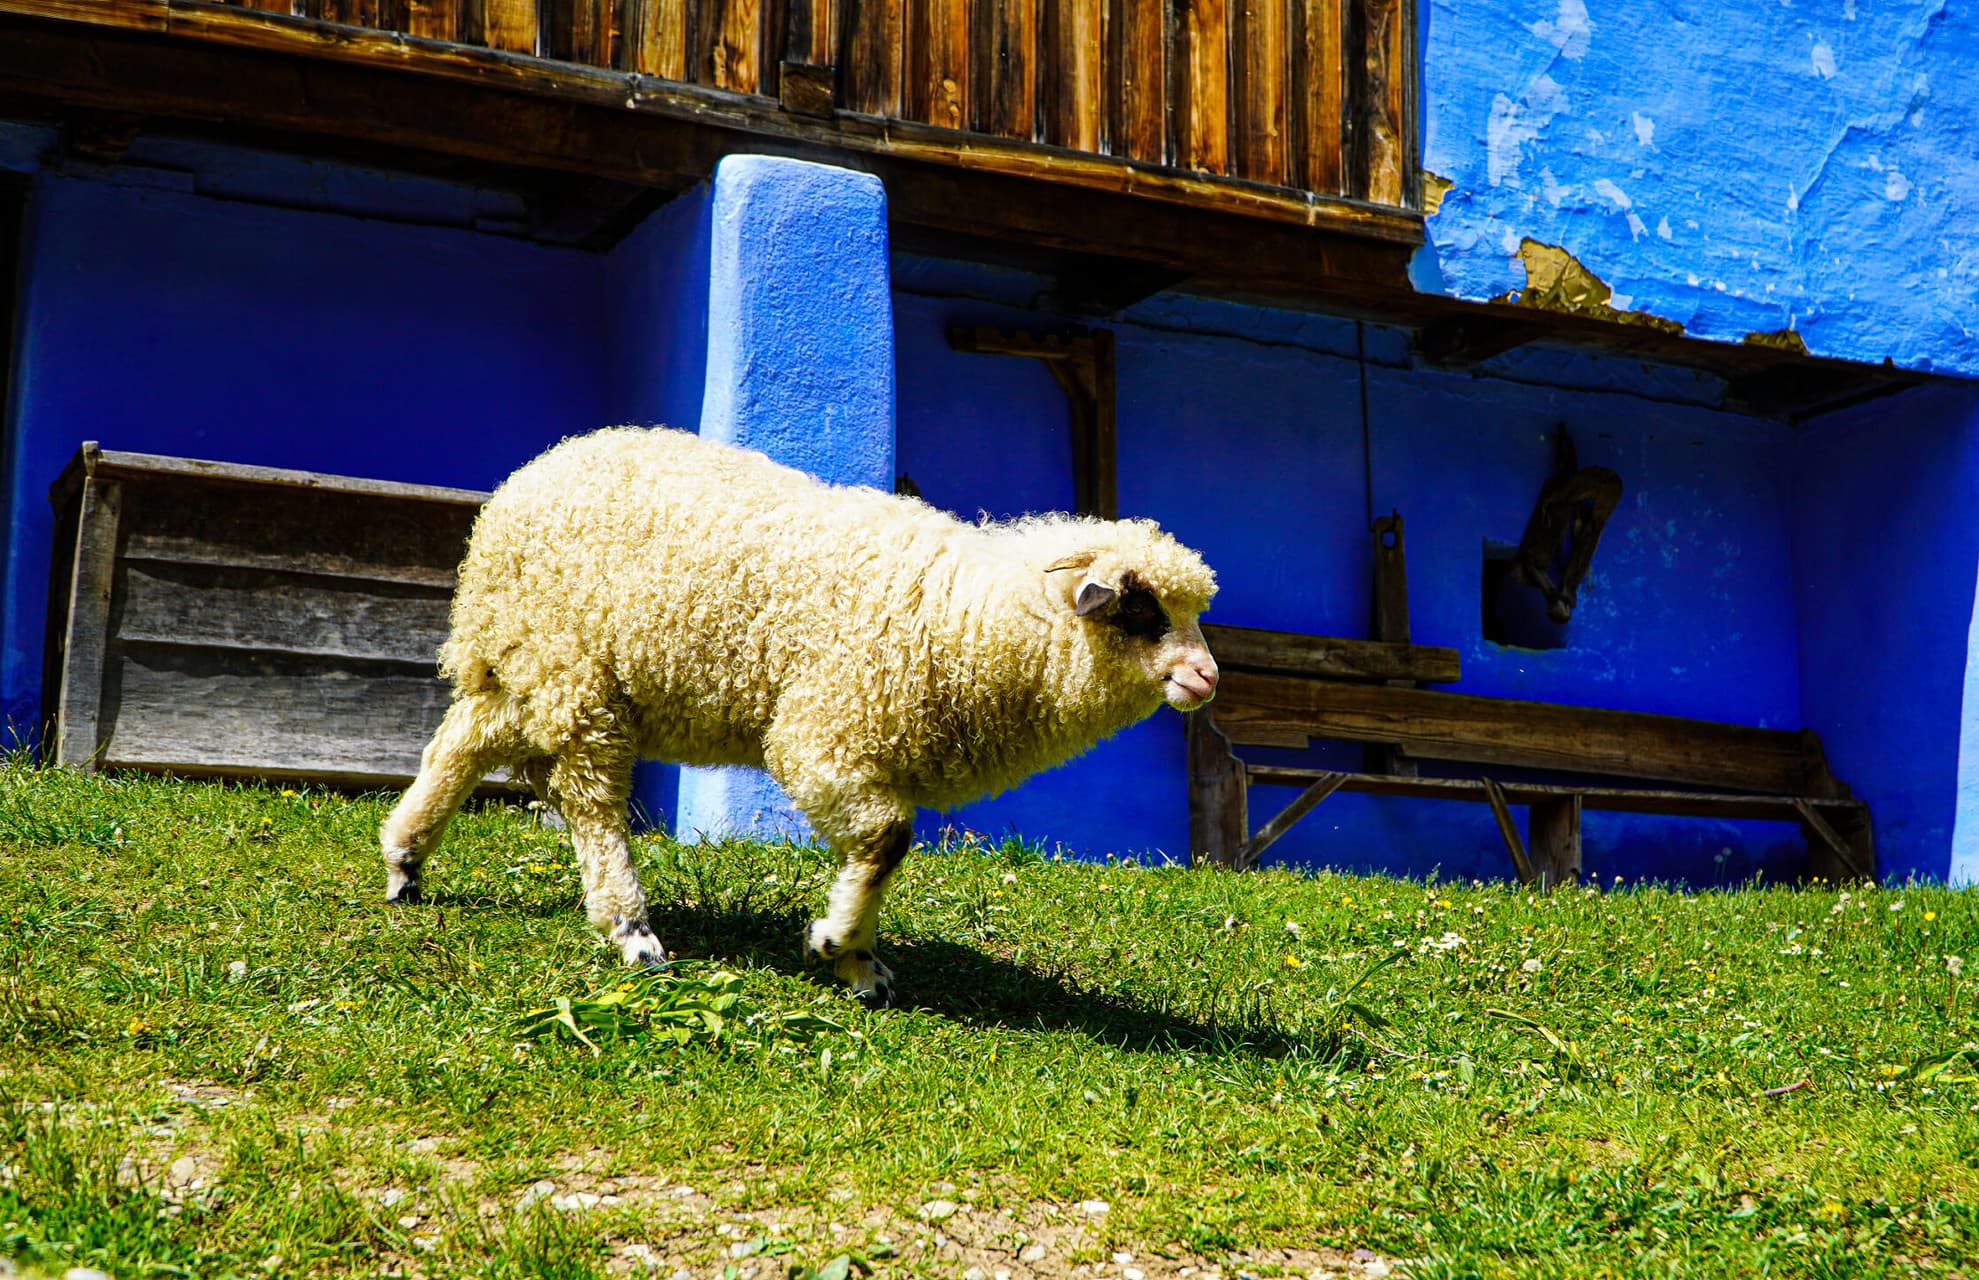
222,1055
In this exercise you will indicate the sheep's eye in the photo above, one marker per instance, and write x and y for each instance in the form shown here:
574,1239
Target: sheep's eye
1139,614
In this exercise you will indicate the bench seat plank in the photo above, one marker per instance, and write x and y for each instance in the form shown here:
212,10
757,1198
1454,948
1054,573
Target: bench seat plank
1329,657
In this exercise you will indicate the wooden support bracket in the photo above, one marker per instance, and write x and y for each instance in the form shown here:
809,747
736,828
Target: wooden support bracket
1508,828
1082,362
1302,804
1823,839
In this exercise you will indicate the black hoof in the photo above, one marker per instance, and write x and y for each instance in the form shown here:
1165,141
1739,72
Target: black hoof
407,896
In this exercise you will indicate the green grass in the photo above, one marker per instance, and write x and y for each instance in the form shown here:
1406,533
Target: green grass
222,1055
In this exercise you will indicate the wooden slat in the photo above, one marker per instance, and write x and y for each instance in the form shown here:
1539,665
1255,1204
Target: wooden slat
732,59
875,57
1331,657
1657,803
1272,709
1008,104
656,36
1202,125
352,618
938,82
1383,166
142,14
1139,79
811,34
1263,94
509,25
80,714
259,713
1075,67
430,19
1319,85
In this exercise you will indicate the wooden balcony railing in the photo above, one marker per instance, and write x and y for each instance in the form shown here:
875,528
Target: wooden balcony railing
1294,110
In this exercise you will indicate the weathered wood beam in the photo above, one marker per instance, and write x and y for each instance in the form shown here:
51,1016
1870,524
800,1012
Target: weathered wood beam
1461,341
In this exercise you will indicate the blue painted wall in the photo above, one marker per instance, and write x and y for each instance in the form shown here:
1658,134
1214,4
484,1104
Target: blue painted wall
165,322
1733,167
1754,573
1886,536
1241,431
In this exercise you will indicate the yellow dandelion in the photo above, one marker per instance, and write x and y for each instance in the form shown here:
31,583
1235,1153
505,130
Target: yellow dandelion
1293,962
289,793
1930,915
1831,1210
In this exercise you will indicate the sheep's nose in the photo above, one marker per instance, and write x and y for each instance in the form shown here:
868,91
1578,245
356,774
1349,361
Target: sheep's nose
1207,670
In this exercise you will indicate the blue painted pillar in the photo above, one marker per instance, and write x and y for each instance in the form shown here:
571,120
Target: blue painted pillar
800,367
1965,818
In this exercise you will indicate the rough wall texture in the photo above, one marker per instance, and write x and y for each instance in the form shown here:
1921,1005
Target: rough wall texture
1736,168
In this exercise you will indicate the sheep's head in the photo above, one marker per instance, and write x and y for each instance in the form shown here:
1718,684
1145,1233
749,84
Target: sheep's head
1137,593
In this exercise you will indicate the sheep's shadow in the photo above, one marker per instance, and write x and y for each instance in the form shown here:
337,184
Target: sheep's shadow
959,982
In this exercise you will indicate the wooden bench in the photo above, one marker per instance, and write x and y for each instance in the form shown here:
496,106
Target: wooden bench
1281,689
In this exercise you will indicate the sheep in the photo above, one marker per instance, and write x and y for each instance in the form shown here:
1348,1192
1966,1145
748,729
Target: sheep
646,592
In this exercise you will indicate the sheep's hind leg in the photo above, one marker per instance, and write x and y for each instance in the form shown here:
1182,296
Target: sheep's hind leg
472,739
591,791
845,936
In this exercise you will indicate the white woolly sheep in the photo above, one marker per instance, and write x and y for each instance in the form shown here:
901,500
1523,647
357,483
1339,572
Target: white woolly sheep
645,592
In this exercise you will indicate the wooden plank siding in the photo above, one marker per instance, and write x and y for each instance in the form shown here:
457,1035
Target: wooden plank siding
1244,106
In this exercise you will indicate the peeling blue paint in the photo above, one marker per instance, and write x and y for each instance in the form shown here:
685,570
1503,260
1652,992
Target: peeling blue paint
1735,168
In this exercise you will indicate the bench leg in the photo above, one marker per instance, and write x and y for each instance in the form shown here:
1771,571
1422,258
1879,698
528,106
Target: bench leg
1556,841
1837,852
1219,808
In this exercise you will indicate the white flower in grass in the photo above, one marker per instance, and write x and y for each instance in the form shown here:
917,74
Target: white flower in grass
1954,965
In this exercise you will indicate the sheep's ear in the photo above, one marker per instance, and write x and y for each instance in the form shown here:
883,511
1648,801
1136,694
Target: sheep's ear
1092,595
1077,560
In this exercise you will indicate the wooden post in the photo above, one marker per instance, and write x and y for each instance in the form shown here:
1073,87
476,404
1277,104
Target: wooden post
1082,362
1219,816
1390,625
78,740
1555,840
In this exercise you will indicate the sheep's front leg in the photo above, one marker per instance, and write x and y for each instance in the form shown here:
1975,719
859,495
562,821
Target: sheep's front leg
591,790
845,936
